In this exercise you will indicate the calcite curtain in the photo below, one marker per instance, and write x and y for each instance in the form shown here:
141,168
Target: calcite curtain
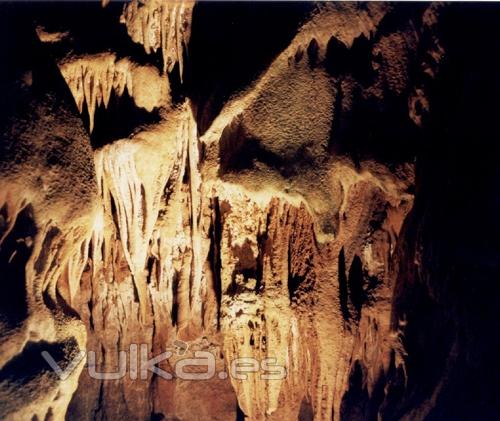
311,187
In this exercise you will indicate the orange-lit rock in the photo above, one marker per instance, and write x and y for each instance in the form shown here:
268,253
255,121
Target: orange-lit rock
273,195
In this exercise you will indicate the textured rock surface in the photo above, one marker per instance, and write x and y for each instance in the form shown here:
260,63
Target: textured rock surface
285,181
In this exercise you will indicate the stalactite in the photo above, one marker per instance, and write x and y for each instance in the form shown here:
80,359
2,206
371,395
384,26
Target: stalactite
55,259
160,25
272,235
132,194
93,79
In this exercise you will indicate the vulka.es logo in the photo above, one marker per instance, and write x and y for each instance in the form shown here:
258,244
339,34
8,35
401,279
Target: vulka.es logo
137,365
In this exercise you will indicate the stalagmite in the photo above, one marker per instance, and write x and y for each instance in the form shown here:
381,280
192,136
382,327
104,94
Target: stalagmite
275,223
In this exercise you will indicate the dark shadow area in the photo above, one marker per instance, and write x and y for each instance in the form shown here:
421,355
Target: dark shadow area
28,372
447,288
30,363
119,120
231,44
240,415
369,126
356,285
343,292
14,254
306,412
92,29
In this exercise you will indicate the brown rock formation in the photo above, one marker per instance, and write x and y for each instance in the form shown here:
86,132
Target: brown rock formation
276,188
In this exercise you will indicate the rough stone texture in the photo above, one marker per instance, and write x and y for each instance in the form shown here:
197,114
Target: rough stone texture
299,182
45,159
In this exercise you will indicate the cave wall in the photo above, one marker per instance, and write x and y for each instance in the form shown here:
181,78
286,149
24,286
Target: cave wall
311,182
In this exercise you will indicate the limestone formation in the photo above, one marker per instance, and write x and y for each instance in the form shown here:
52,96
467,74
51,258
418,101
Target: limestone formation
175,188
